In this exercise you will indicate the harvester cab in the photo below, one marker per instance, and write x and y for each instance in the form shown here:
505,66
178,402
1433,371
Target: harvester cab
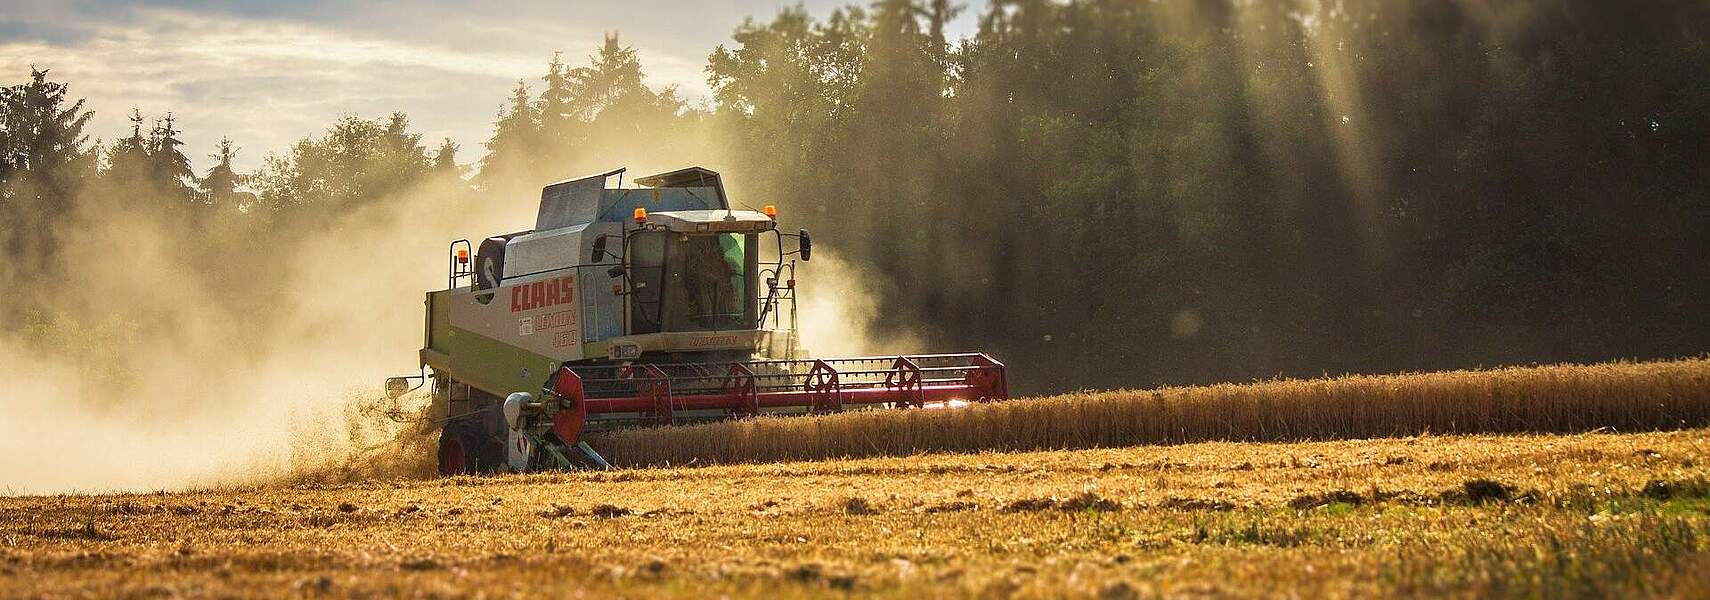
651,305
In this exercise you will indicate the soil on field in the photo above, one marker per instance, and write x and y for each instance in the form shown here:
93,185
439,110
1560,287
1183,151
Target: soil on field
1594,514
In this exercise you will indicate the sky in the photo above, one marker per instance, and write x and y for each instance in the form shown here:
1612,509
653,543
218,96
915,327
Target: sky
266,74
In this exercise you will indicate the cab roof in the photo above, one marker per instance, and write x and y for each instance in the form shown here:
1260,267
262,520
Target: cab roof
699,221
587,199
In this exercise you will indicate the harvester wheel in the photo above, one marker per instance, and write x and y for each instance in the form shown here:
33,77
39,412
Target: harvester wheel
464,450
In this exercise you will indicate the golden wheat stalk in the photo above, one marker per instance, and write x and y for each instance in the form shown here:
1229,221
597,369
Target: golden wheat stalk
1562,398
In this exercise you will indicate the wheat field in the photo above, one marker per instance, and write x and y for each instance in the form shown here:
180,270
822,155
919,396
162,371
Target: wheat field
1562,481
1583,515
1641,396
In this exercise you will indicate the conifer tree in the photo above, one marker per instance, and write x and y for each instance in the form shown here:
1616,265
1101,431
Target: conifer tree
400,157
45,157
39,134
559,117
445,159
611,76
169,169
128,158
512,151
218,189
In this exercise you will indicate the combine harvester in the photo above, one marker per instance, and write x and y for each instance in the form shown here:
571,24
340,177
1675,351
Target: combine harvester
638,307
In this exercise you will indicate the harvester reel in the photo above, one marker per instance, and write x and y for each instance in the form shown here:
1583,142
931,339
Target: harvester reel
824,385
572,406
905,377
739,381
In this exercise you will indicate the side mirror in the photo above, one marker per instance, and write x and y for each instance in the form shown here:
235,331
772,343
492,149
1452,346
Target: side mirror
397,387
806,246
599,249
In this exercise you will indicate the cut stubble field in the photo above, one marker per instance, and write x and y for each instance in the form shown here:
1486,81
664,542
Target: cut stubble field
1600,514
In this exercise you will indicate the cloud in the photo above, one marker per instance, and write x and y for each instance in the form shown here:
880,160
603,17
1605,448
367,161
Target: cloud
266,83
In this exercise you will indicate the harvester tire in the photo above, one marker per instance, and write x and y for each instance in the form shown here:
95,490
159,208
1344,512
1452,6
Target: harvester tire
464,449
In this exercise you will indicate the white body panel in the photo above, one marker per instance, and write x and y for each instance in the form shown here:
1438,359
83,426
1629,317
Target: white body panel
517,450
540,314
543,251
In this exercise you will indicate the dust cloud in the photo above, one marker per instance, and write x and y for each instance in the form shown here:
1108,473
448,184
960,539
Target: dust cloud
156,380
157,371
838,315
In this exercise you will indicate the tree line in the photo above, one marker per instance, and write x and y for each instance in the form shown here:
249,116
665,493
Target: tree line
1100,192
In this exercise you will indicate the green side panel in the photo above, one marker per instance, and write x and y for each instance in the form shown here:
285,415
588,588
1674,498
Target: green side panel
439,321
595,349
495,367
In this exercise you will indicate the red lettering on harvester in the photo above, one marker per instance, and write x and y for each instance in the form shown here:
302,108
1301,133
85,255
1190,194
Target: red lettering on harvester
543,294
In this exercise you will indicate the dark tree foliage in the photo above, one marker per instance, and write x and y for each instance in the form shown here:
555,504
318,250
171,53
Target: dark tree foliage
612,77
512,152
445,159
357,163
168,165
44,158
39,133
218,190
562,129
128,157
1113,193
587,117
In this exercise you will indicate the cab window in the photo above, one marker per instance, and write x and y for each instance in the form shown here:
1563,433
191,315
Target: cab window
706,287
